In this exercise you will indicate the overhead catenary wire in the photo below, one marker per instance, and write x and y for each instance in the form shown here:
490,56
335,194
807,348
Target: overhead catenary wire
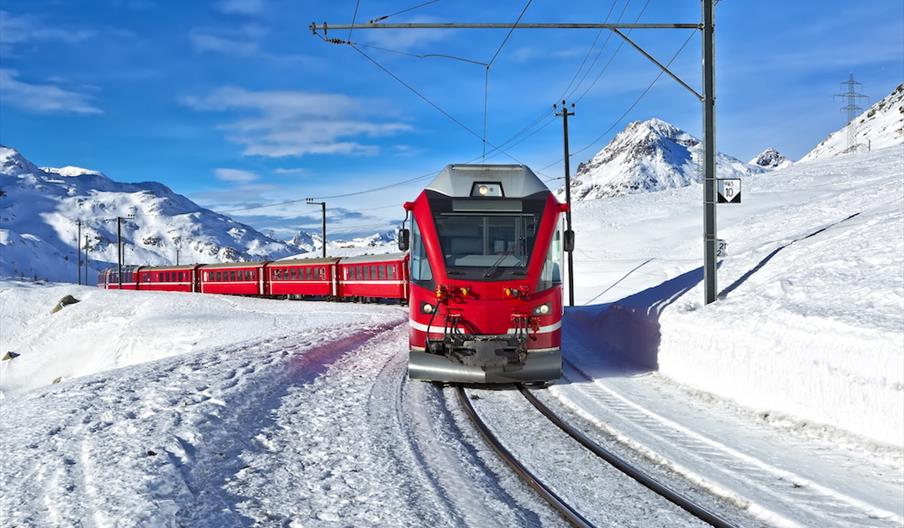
627,111
354,17
406,10
486,76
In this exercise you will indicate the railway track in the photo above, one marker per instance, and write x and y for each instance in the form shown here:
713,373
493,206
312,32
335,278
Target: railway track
558,503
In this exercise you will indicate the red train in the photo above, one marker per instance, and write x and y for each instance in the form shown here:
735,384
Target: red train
486,245
483,277
367,278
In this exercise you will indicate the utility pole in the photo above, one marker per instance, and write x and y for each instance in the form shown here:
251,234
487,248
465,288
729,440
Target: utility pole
322,205
564,114
852,97
86,259
119,250
78,250
710,243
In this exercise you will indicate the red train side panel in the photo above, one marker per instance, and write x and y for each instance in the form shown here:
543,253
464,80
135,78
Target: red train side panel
166,278
377,276
314,277
234,278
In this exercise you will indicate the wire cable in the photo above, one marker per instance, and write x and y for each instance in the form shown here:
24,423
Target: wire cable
486,76
631,107
354,17
384,17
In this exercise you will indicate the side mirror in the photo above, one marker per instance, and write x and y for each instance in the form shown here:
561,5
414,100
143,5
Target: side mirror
568,241
404,236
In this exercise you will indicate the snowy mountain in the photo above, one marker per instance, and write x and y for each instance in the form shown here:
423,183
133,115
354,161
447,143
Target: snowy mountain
880,126
40,207
376,243
650,155
770,159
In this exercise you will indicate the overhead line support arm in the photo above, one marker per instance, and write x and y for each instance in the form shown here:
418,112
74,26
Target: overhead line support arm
502,25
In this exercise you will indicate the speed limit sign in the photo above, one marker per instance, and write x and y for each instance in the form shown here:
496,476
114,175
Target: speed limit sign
729,190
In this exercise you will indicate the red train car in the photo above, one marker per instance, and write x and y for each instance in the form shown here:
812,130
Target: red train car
303,277
234,278
167,278
374,277
109,278
486,291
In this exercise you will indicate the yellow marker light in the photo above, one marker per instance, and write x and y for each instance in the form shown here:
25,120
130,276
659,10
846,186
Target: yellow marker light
464,291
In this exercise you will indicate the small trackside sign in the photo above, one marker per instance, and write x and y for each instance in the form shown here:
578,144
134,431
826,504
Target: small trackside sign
729,190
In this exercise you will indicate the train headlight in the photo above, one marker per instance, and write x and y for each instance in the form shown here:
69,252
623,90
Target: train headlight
543,309
485,189
427,308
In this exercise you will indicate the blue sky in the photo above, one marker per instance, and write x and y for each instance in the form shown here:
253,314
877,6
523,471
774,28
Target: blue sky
235,103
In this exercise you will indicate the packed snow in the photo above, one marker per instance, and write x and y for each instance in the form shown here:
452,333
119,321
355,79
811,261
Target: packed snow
811,317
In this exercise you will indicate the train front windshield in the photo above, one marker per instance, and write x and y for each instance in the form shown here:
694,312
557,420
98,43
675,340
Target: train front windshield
486,246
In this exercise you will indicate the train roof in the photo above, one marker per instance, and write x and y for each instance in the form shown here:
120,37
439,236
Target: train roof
186,267
373,258
245,264
304,261
517,181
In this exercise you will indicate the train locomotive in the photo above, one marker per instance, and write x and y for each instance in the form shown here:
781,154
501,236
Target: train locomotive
480,268
485,246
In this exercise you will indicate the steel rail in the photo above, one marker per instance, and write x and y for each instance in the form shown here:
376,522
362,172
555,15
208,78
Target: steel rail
676,498
570,514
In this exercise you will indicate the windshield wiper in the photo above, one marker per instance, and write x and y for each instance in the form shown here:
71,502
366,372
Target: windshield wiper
497,263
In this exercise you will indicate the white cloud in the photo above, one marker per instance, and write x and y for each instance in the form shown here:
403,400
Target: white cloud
295,123
18,29
289,171
242,7
43,98
240,42
235,175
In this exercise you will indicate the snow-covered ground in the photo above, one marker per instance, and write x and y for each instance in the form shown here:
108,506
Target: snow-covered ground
811,320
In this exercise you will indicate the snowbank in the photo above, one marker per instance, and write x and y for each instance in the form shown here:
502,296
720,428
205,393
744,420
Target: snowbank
811,323
112,329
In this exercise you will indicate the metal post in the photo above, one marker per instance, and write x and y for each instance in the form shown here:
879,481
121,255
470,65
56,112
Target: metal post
119,250
709,155
323,206
78,250
86,259
565,113
310,201
177,255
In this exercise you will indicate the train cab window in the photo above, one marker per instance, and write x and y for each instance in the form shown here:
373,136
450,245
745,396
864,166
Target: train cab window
552,268
420,267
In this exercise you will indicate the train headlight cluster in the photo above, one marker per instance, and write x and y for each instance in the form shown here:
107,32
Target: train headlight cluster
485,190
543,309
427,308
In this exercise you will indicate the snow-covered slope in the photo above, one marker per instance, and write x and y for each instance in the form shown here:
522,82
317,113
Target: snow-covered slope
648,155
771,159
880,126
811,323
40,207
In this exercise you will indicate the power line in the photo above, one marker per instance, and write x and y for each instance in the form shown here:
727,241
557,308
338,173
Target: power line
418,55
354,17
614,54
593,45
384,17
486,73
631,107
